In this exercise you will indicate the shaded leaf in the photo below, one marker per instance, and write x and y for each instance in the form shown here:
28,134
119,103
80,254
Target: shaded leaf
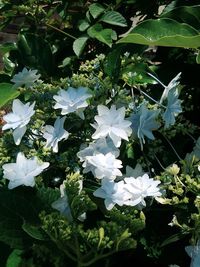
7,93
79,44
96,10
185,14
14,259
114,18
103,35
173,108
163,32
34,231
83,25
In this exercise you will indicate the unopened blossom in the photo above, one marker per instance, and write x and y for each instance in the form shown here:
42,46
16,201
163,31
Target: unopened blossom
140,188
72,100
25,77
112,193
54,134
24,171
18,119
105,166
62,204
111,122
101,145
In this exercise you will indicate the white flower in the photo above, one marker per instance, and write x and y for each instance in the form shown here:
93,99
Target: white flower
111,122
23,171
72,100
141,187
55,134
25,77
62,204
18,119
105,166
102,145
113,193
194,253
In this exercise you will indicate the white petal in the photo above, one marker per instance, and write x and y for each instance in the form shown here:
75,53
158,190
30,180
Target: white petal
18,133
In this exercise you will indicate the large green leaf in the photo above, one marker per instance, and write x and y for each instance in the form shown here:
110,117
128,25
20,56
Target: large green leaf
7,93
35,52
114,18
163,32
185,14
14,259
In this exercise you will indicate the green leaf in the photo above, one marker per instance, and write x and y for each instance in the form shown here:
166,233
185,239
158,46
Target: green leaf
14,259
198,57
103,35
96,10
83,25
35,52
20,205
163,32
7,47
66,61
34,231
7,93
114,18
185,14
79,44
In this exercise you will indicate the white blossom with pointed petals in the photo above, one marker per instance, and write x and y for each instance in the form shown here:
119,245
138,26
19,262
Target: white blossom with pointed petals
113,193
72,100
141,187
54,134
23,171
18,119
105,166
102,145
25,77
111,122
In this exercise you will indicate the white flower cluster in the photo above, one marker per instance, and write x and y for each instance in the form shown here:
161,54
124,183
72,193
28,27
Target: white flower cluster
99,158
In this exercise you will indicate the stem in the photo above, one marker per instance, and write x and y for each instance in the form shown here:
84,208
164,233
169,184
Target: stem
98,258
61,31
155,101
156,79
159,162
168,141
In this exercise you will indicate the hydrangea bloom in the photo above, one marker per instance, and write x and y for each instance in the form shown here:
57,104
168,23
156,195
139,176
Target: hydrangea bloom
105,166
72,100
102,145
23,171
55,134
111,122
141,187
113,193
18,119
25,77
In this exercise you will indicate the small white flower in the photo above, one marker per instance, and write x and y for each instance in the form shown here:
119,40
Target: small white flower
105,166
199,168
18,119
113,193
72,100
23,171
141,187
194,253
111,122
25,77
102,145
55,134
